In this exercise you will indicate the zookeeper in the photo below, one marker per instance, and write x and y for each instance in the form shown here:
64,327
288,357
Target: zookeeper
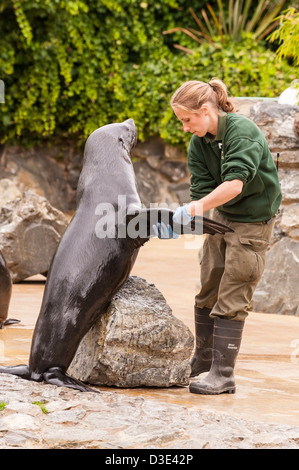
233,172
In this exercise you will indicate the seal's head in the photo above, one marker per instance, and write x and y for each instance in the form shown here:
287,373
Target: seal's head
121,136
107,166
125,133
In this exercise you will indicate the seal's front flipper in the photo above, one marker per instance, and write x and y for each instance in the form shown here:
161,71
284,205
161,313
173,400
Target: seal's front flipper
55,376
21,371
141,224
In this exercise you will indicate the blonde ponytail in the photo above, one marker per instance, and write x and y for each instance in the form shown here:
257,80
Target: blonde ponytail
224,102
193,94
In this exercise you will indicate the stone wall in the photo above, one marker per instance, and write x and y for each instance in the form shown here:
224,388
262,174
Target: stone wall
277,291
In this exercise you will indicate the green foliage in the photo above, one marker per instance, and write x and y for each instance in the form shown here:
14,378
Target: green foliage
288,35
63,61
72,66
241,16
2,405
247,68
42,404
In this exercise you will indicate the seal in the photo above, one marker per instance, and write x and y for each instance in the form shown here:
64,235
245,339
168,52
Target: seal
89,266
5,294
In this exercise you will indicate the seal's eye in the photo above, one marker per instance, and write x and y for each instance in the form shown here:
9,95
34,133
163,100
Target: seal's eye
121,140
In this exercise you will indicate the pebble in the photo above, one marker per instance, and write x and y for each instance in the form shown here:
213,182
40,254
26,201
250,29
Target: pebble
69,419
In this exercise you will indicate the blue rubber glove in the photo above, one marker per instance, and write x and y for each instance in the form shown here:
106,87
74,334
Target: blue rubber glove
164,231
181,216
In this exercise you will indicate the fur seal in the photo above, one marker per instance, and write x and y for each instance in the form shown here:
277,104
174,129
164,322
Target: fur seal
5,293
88,269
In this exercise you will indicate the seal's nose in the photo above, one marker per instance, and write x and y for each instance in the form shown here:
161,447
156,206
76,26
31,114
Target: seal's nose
130,122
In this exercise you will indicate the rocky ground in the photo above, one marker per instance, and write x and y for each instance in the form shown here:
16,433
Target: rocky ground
40,416
263,414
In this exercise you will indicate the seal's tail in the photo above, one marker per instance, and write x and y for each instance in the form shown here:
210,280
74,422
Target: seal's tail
53,376
9,321
21,371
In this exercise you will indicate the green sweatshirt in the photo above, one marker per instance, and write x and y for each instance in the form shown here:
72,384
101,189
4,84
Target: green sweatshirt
239,151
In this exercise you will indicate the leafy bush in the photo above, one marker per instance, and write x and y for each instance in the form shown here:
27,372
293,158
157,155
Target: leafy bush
63,62
288,35
247,68
232,20
72,66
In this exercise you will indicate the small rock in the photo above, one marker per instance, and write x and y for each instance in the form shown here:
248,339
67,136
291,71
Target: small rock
19,421
289,96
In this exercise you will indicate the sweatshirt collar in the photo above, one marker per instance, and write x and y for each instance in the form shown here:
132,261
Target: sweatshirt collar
208,138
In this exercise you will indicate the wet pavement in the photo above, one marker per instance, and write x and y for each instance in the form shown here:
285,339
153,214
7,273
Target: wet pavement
268,363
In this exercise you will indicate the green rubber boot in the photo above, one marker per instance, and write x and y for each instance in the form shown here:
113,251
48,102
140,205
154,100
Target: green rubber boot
204,326
226,344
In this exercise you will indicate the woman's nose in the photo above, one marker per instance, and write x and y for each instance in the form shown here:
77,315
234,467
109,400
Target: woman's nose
186,127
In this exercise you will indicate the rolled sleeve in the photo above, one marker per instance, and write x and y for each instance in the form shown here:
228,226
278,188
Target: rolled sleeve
241,160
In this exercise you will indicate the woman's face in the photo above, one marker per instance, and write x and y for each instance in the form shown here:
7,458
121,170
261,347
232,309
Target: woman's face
197,123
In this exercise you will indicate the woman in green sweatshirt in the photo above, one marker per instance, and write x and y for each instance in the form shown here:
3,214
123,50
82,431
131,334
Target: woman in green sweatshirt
232,172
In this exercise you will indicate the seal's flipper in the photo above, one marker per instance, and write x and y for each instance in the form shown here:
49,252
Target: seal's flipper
211,226
55,376
21,371
140,224
10,321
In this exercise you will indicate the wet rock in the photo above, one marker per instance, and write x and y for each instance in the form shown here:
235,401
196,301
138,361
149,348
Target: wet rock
111,420
277,291
138,342
8,191
290,221
153,147
36,169
17,421
289,181
174,153
174,171
276,121
30,230
181,191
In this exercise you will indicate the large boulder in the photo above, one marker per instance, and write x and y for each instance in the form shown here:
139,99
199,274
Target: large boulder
40,170
137,342
277,291
8,191
30,230
276,121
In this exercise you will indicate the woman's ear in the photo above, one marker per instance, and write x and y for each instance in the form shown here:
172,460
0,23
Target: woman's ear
205,108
